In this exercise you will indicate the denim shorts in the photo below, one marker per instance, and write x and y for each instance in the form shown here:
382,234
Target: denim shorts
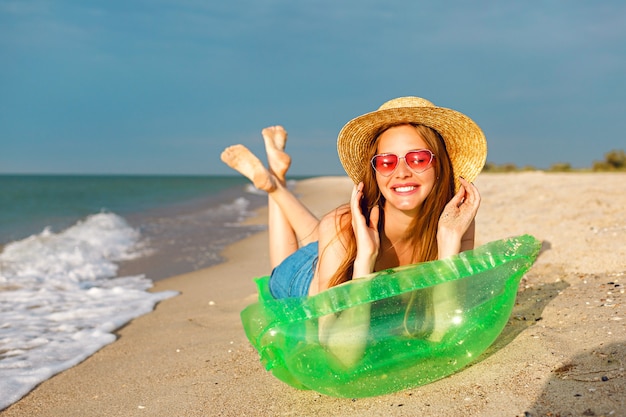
292,278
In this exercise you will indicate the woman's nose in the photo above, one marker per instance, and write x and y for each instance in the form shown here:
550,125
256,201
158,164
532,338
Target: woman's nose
403,169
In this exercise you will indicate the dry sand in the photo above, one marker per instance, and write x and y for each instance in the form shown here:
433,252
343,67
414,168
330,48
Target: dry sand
563,352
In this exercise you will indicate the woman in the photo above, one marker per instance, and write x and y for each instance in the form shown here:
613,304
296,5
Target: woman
406,159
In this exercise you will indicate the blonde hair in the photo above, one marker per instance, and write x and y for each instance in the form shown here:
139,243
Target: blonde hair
423,230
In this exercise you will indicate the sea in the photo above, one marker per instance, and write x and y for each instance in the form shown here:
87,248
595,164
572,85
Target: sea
78,255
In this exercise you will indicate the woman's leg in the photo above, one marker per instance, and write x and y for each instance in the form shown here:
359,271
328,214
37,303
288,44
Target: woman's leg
290,221
282,236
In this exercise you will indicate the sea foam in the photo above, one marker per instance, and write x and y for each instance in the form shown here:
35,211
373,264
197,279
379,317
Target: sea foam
60,299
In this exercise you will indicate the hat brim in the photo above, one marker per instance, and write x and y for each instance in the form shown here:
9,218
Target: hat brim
465,141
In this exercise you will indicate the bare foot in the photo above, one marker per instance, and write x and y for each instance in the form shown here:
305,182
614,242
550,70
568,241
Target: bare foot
275,138
277,134
239,158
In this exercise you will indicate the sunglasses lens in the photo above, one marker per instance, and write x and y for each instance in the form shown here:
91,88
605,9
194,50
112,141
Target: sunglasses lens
418,161
385,164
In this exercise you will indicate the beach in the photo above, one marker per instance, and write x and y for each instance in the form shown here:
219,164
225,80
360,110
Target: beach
563,352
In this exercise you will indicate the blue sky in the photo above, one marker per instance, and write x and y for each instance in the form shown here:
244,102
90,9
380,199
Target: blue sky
162,86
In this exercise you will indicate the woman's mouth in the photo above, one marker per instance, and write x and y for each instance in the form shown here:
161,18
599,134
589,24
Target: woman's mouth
404,188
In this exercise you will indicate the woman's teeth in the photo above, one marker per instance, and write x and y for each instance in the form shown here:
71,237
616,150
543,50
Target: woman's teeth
405,188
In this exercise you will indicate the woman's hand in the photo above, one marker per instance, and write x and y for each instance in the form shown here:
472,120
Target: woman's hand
457,220
367,238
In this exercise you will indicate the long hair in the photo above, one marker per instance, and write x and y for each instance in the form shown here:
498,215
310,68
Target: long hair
423,230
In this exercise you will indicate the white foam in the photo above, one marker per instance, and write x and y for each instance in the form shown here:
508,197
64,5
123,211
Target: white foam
60,300
251,189
240,207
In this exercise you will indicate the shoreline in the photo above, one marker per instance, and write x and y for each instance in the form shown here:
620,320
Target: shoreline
190,355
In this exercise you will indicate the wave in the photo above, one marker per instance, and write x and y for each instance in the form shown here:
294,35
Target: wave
60,299
251,189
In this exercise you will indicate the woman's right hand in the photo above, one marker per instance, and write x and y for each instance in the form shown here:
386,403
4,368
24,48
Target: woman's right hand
366,236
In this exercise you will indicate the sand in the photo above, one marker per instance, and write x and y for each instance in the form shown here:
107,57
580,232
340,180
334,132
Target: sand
563,352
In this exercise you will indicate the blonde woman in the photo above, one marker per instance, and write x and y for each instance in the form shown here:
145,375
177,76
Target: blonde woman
413,201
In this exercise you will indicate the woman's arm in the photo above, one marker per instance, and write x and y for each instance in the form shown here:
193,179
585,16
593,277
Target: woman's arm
455,234
332,244
332,249
345,334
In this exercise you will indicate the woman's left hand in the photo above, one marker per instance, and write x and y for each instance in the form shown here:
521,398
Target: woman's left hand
459,213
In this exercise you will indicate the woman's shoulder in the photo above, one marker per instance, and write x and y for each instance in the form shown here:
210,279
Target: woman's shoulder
336,216
334,222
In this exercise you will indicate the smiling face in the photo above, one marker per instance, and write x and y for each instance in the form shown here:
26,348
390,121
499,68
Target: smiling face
404,190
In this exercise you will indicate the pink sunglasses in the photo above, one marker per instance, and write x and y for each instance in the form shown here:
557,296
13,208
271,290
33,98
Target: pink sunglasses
418,161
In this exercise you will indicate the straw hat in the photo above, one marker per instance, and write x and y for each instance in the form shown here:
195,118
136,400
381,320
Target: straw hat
465,141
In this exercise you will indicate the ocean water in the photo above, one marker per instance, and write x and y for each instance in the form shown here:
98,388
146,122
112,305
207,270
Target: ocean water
79,253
